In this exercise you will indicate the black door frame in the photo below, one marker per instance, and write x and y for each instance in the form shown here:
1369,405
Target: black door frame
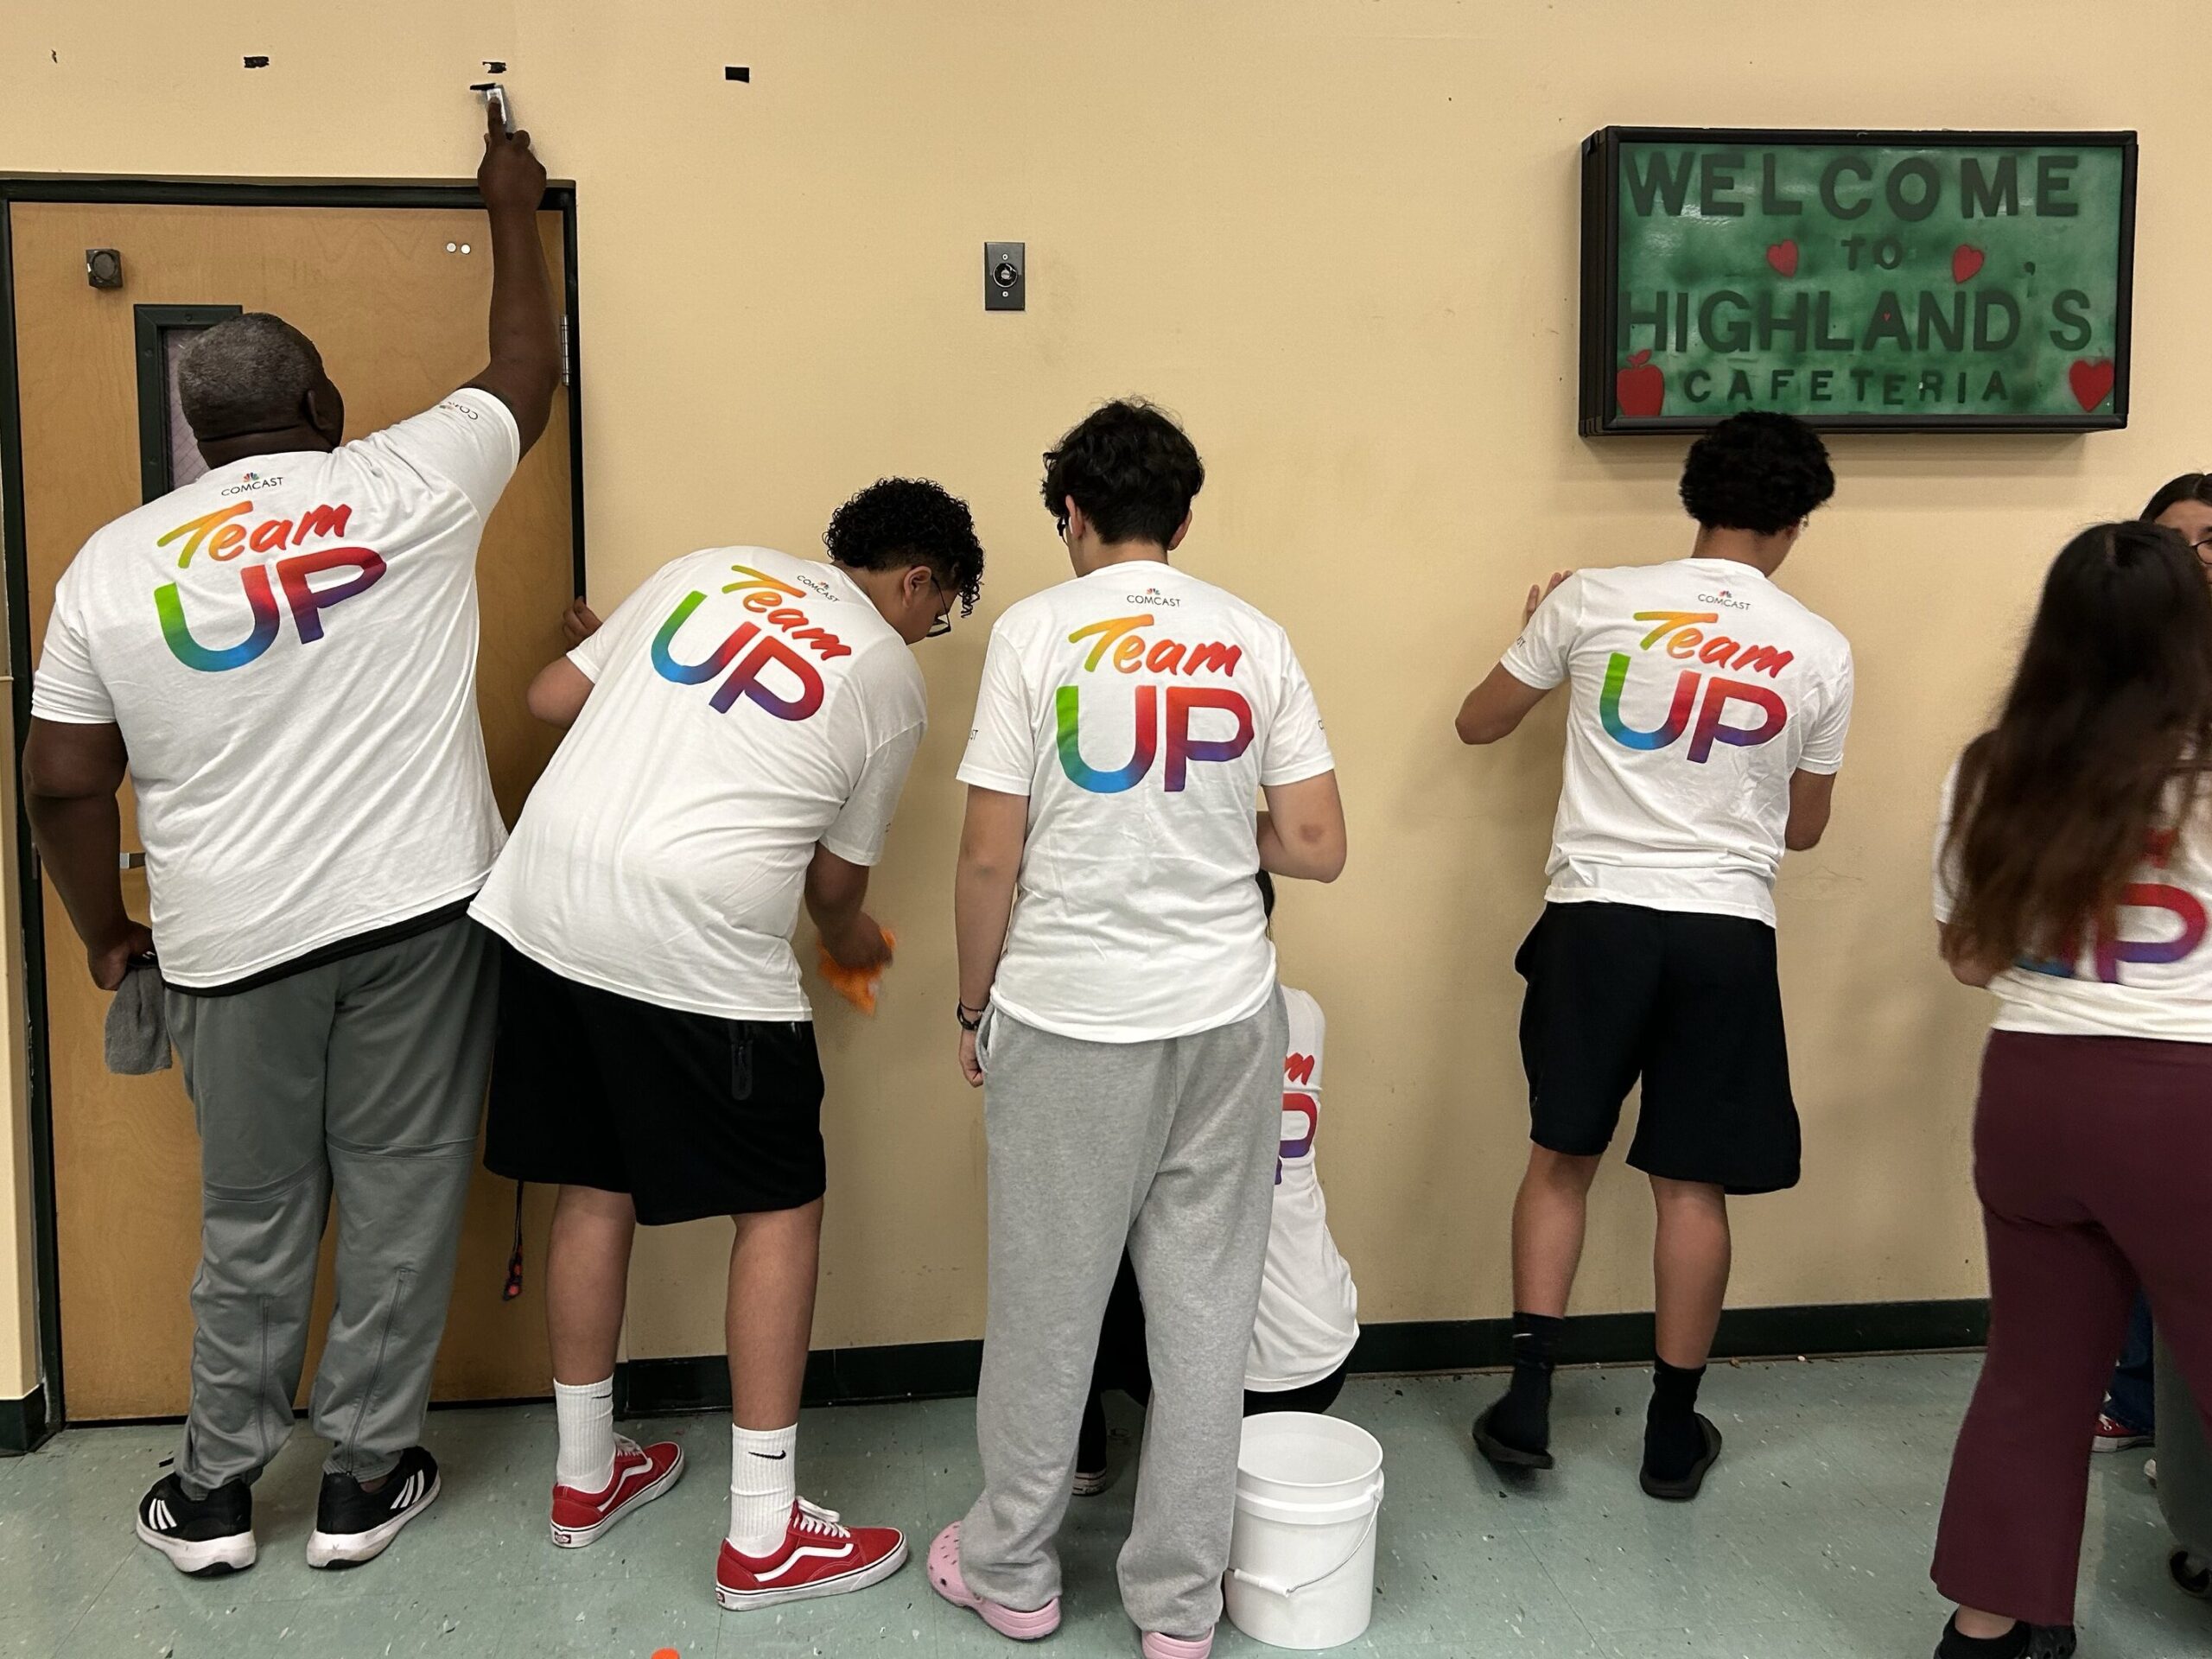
25,1424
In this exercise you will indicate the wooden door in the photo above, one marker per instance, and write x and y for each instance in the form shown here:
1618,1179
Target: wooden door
395,298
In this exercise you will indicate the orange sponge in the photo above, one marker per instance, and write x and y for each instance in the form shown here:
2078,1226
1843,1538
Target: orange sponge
856,985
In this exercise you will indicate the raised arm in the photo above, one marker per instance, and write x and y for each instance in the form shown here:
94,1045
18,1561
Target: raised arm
71,773
558,694
1496,707
526,338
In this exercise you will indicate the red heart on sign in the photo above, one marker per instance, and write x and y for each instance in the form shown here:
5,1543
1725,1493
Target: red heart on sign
1966,260
1783,256
2091,379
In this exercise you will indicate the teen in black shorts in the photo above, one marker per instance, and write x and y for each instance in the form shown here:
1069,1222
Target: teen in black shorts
737,735
1707,716
687,1114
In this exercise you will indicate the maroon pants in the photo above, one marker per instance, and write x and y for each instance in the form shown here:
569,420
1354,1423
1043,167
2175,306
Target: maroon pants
2092,1156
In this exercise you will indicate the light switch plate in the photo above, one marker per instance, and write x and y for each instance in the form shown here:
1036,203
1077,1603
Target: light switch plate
1006,277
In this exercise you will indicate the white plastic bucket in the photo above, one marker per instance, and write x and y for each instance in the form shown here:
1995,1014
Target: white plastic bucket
1301,1556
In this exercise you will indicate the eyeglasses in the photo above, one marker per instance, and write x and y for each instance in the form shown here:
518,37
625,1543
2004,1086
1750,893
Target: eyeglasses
943,625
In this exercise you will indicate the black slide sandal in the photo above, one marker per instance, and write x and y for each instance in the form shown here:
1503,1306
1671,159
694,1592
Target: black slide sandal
1502,1455
1682,1490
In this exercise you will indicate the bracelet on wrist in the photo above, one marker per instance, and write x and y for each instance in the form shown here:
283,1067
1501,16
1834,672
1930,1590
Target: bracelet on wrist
971,1019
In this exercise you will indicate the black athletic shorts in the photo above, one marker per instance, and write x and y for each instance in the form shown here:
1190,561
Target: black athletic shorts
1688,1001
689,1114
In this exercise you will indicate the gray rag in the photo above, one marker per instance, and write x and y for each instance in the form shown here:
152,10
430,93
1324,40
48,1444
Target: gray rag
137,1030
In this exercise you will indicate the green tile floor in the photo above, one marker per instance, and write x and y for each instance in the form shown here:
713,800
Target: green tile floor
1812,1538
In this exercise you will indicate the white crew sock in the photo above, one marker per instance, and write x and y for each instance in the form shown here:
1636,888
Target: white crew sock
762,1487
585,1412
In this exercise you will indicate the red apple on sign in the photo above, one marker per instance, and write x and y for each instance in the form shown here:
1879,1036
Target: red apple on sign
2091,379
1783,256
1966,260
1641,388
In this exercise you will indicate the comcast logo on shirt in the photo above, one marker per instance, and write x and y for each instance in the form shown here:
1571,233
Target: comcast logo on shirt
1722,598
1152,596
252,481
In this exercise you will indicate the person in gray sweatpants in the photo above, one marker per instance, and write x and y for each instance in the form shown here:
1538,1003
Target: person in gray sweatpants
363,1079
1118,1007
311,790
1169,1145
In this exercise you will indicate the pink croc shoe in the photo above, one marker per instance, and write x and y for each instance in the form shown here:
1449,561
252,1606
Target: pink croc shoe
945,1578
1157,1646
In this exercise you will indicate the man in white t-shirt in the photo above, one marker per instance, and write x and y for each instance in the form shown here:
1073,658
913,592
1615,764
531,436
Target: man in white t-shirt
281,657
1705,728
739,733
1118,988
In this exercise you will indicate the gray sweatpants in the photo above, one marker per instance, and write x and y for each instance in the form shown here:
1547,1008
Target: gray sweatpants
1168,1147
365,1076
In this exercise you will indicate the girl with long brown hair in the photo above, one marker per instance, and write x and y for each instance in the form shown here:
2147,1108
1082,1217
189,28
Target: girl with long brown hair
2129,1417
2073,873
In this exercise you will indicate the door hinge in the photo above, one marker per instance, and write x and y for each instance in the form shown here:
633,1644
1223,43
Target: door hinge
568,366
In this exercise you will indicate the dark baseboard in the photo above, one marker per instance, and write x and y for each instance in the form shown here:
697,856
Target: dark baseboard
1626,1339
23,1427
940,1370
935,1370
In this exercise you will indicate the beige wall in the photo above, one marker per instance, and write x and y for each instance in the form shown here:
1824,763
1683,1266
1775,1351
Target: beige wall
1340,239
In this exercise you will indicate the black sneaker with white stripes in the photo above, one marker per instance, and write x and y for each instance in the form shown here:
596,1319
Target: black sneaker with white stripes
352,1525
204,1537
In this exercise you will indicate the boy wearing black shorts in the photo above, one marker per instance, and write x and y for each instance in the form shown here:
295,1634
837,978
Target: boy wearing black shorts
1706,729
739,731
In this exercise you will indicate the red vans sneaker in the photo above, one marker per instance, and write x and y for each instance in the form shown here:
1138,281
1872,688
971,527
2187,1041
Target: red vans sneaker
820,1557
642,1473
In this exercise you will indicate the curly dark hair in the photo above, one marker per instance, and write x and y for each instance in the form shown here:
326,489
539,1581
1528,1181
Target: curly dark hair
1757,471
902,521
1131,470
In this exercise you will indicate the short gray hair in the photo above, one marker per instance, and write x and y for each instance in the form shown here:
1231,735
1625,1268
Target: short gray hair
249,374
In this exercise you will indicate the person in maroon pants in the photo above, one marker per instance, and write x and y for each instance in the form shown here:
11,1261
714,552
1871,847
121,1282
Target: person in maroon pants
2074,867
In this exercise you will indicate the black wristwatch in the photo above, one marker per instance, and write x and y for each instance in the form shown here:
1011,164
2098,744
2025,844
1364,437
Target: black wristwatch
971,1019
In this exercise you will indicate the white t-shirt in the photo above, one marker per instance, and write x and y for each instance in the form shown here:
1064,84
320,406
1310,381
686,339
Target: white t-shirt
1309,1310
1141,710
746,706
289,646
1699,687
2151,978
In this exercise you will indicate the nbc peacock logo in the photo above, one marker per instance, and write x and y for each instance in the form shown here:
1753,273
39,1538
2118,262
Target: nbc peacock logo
251,481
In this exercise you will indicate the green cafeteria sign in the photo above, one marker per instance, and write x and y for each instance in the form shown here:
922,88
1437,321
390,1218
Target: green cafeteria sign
1859,280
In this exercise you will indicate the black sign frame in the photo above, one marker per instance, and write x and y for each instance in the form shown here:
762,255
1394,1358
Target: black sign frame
1601,276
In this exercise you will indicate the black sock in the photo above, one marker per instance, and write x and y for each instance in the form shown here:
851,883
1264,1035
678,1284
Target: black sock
1673,1441
1524,1417
2011,1645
